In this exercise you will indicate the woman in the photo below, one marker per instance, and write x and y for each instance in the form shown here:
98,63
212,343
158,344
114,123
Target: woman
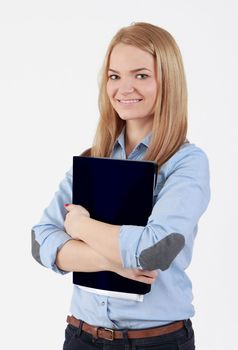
143,115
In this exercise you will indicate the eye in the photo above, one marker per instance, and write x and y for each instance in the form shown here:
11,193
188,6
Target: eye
144,76
113,77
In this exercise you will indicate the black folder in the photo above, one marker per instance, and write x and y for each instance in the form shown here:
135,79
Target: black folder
119,192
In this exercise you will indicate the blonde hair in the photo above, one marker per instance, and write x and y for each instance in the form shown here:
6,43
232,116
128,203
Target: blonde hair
170,117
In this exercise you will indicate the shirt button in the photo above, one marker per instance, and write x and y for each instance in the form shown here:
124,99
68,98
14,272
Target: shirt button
103,303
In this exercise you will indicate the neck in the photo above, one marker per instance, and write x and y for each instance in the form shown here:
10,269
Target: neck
135,131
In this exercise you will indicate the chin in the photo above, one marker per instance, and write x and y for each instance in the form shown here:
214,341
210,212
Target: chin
130,117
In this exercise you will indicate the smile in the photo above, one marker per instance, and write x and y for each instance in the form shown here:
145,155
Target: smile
129,101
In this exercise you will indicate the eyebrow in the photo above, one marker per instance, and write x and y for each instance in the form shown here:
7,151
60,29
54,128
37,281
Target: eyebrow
132,71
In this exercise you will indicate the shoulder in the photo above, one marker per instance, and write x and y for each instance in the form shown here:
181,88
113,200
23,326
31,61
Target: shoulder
189,157
86,153
69,173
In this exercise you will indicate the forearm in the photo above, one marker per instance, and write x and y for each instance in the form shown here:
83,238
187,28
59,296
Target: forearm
78,256
103,238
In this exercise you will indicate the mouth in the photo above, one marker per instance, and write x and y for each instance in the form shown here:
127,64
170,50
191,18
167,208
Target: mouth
129,101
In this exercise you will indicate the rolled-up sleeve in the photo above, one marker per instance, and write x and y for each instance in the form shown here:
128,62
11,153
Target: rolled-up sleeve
49,235
180,202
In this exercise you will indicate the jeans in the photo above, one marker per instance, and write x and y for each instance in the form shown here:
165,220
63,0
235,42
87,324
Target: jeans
183,339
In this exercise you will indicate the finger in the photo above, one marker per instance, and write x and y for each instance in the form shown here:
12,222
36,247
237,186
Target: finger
152,274
147,280
68,206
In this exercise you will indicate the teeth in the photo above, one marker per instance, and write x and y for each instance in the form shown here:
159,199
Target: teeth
129,101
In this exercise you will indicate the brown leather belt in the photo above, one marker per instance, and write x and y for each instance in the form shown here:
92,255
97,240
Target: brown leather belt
111,334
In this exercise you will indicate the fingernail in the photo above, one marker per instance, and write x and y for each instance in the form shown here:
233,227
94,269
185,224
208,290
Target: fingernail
66,204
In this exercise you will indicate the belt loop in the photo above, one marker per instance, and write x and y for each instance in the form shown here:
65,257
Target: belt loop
125,336
80,328
187,327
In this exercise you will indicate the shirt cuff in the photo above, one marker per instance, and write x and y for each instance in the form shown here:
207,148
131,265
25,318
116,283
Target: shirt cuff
50,248
129,239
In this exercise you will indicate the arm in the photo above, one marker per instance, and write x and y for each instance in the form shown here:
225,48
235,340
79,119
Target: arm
78,256
183,194
53,248
106,233
181,201
101,237
48,235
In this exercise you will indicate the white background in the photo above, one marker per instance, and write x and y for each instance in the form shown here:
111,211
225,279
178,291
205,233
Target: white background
50,55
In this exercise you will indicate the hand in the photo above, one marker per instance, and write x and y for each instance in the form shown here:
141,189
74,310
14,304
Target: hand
75,215
138,275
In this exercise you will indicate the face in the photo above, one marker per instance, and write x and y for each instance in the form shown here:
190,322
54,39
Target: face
132,86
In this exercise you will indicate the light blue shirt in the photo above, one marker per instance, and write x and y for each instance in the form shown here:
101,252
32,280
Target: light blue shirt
181,196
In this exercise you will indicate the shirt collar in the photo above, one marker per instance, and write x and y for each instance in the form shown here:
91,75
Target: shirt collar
121,139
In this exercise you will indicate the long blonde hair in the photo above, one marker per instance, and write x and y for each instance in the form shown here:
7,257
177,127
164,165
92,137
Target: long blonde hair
170,117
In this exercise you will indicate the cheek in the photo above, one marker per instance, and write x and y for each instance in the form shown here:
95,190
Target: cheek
152,91
110,90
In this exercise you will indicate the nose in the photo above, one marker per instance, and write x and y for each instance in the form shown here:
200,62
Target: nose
125,92
126,87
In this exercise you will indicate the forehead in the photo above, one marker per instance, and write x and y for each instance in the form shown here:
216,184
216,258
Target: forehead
128,57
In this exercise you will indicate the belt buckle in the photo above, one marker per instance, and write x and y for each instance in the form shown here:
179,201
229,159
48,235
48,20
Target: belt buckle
111,333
